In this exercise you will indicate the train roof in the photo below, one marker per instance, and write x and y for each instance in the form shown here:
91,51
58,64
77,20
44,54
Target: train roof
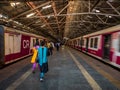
21,32
108,30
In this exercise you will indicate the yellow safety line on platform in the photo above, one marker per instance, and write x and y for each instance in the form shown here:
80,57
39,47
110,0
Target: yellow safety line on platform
104,73
88,77
14,85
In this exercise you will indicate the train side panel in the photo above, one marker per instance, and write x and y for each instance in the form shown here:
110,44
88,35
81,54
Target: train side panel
25,45
115,48
16,46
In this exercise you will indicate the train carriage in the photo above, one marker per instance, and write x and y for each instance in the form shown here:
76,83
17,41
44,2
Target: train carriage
104,44
108,44
15,44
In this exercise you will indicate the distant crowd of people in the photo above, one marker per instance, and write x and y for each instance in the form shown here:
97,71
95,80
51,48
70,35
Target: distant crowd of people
41,51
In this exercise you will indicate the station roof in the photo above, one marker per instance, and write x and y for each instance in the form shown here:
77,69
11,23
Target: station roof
58,19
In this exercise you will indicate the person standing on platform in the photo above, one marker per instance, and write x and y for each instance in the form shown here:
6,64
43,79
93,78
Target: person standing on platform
50,47
43,60
57,46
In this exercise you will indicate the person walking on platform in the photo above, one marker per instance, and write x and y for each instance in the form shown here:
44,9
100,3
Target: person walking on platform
43,60
50,47
33,60
57,46
34,57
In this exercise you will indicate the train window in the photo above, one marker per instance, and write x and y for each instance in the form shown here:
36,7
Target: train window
95,42
91,43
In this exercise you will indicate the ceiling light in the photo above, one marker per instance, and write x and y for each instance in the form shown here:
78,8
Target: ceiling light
14,4
71,8
97,11
110,16
45,7
43,25
31,14
38,21
89,16
48,16
3,16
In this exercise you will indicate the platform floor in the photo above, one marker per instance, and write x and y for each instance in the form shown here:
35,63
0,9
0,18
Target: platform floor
68,70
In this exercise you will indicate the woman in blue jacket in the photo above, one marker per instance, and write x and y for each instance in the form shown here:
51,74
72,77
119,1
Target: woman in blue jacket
43,61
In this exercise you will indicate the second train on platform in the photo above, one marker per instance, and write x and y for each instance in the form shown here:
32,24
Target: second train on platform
104,44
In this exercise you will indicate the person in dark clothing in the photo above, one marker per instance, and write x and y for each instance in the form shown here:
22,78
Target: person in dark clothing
57,46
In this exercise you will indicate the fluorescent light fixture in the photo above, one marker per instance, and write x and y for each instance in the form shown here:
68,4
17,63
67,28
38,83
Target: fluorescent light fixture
45,7
97,11
89,16
31,14
38,21
3,16
48,16
110,16
43,25
16,22
14,4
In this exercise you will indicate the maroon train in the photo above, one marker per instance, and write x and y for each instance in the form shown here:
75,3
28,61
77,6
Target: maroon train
104,44
15,44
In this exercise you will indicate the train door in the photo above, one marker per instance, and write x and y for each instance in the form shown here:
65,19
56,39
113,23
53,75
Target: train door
106,46
1,46
87,41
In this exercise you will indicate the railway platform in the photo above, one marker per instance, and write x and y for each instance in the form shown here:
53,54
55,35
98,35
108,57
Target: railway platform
69,69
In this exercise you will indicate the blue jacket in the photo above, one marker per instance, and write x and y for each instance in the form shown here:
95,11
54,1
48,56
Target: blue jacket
42,55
